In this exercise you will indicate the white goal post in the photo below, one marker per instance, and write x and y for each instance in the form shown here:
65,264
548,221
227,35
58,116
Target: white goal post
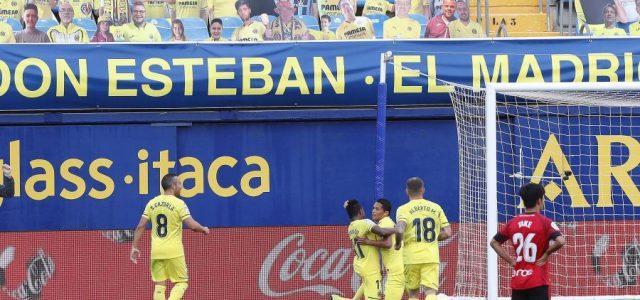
513,126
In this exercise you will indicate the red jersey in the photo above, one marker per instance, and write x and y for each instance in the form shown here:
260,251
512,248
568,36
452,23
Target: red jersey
530,235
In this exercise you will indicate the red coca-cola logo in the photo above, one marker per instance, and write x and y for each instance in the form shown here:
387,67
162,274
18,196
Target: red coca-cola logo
290,264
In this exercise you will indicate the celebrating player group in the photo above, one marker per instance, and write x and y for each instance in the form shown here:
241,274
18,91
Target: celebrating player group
410,261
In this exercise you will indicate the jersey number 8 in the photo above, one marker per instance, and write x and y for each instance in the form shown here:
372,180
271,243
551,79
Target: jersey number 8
161,225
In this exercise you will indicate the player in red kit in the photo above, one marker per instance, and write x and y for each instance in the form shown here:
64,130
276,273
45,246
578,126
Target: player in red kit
534,238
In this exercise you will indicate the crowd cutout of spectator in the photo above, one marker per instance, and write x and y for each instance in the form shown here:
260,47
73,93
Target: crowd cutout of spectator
123,21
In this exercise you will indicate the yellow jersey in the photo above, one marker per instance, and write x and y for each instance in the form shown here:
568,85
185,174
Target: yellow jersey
401,28
189,8
457,29
424,220
156,9
222,8
332,8
44,10
634,29
82,9
417,6
376,7
166,214
609,32
366,260
6,34
253,32
147,33
222,39
67,35
391,258
360,29
322,35
11,9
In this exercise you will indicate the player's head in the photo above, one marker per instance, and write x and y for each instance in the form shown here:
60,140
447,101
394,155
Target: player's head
30,15
65,11
402,8
415,187
346,7
609,14
463,10
532,194
381,209
243,9
325,20
216,28
354,209
139,13
448,8
171,183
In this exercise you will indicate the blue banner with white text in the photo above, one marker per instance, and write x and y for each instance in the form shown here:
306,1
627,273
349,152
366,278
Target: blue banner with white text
143,76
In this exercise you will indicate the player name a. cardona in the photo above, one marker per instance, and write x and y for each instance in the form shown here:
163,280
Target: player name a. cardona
421,208
162,204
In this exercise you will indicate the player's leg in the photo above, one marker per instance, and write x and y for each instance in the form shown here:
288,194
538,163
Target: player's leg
394,287
372,285
177,271
412,280
429,279
519,295
357,296
537,293
159,276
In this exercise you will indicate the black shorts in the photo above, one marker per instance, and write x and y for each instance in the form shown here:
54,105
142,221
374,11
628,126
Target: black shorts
536,293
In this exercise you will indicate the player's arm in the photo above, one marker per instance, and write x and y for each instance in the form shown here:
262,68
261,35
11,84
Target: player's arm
400,228
137,234
383,231
556,241
496,244
385,243
445,233
195,226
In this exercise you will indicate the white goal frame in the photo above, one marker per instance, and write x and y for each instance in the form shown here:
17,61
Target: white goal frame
492,89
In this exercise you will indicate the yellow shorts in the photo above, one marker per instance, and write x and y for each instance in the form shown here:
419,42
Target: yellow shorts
422,274
394,287
174,269
372,285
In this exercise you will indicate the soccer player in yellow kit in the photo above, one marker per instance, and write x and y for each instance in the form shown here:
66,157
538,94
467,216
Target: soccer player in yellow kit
401,26
391,257
366,262
166,213
421,223
353,28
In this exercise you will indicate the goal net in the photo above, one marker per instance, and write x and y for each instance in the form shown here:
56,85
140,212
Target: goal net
580,141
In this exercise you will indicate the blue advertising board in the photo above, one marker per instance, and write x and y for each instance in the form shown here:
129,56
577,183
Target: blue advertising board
155,76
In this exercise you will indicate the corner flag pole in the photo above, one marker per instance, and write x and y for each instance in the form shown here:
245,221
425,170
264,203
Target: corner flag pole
381,126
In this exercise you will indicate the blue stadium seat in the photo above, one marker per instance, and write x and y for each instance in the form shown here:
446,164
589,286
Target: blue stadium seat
159,22
231,22
257,18
15,24
163,25
422,20
335,23
196,34
88,24
44,25
193,23
378,21
310,22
